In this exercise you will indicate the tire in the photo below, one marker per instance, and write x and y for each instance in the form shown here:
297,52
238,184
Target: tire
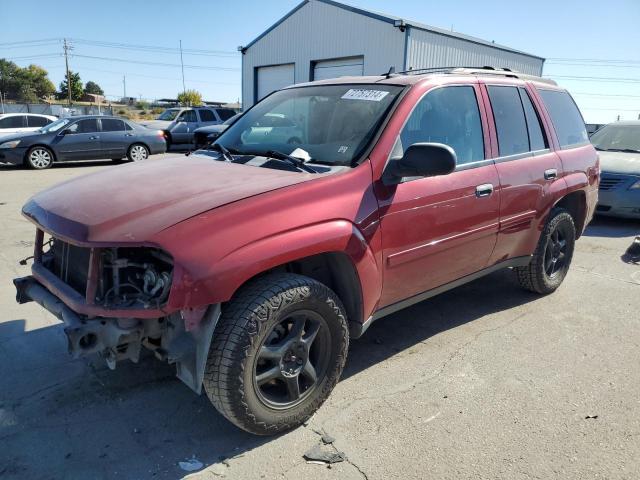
137,152
39,158
552,258
257,364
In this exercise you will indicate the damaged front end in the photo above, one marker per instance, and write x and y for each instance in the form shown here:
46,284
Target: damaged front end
113,301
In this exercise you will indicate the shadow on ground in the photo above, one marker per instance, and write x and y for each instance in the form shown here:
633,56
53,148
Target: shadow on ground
61,418
612,227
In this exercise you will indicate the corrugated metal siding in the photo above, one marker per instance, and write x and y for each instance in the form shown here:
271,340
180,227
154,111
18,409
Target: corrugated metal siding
319,31
428,49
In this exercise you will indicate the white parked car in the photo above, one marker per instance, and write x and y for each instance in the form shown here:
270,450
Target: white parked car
23,122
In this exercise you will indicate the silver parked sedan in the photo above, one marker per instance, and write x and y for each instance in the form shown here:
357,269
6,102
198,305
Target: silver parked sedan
619,148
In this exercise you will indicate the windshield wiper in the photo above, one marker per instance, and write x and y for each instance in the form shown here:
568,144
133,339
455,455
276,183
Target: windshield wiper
624,150
295,161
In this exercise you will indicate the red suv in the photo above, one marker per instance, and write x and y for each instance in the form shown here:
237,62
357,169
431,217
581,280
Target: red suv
250,264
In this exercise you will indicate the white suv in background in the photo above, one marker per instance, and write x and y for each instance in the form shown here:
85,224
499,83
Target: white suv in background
23,122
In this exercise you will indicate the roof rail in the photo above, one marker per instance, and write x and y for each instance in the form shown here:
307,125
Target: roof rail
487,70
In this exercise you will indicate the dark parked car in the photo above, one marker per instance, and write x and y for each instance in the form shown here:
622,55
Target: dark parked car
619,147
81,138
205,135
255,269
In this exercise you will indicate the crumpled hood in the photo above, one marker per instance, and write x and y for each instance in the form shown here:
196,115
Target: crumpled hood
155,124
130,203
620,162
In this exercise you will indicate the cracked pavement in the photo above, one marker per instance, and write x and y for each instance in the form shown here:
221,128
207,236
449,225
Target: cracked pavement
486,381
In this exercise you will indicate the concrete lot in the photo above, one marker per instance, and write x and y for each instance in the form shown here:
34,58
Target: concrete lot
485,381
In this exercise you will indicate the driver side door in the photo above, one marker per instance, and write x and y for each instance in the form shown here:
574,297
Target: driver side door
79,141
186,123
436,230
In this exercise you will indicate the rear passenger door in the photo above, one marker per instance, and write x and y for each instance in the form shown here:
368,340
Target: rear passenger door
529,171
113,138
438,229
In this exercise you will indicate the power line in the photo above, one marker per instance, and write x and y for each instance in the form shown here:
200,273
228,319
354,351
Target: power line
25,42
594,60
596,79
161,64
596,65
604,95
30,57
152,48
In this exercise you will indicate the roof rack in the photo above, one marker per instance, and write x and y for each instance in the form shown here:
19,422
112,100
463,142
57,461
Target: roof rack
487,70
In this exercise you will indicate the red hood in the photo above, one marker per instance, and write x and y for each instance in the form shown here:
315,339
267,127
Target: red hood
130,203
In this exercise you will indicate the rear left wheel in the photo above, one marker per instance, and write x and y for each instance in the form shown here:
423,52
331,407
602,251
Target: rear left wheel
137,152
277,352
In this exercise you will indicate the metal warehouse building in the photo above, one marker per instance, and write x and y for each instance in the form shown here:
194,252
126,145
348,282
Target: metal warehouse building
324,39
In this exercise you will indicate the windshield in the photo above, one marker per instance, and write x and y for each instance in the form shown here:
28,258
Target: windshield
55,126
332,123
617,137
169,114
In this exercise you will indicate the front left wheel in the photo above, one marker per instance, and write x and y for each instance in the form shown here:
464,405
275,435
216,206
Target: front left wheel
277,352
137,152
39,158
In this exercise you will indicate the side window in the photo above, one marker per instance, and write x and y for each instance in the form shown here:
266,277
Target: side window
448,115
537,139
225,113
33,121
565,116
508,115
112,125
89,125
207,115
14,121
188,116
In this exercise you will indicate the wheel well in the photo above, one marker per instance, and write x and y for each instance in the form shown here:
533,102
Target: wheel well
140,143
575,203
336,271
43,146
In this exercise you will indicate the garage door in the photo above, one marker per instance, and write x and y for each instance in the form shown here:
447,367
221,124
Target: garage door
274,78
341,67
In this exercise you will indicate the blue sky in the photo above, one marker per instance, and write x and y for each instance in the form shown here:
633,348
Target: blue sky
558,29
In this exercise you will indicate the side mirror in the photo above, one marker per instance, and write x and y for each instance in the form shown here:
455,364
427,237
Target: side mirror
421,160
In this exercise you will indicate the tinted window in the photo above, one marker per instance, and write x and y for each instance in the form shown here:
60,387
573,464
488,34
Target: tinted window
566,118
225,113
37,121
510,122
188,116
16,121
207,115
112,125
89,125
537,140
447,115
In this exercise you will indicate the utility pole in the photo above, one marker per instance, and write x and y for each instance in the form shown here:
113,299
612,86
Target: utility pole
124,87
184,89
2,101
66,48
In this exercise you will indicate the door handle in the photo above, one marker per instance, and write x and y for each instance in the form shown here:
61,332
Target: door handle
128,134
484,190
95,137
550,174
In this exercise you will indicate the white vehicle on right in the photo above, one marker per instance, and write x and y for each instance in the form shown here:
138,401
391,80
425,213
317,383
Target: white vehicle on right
23,122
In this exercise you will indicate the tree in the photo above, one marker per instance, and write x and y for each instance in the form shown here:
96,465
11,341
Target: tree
93,88
190,98
28,84
76,87
37,80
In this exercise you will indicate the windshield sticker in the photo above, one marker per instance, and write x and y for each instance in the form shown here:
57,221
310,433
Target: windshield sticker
363,94
343,149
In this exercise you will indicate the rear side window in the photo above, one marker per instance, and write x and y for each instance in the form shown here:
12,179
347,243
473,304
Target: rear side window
207,115
511,125
565,116
447,115
225,113
37,121
15,121
537,139
112,125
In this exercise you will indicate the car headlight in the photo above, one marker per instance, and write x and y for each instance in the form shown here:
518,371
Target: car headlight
11,144
635,186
